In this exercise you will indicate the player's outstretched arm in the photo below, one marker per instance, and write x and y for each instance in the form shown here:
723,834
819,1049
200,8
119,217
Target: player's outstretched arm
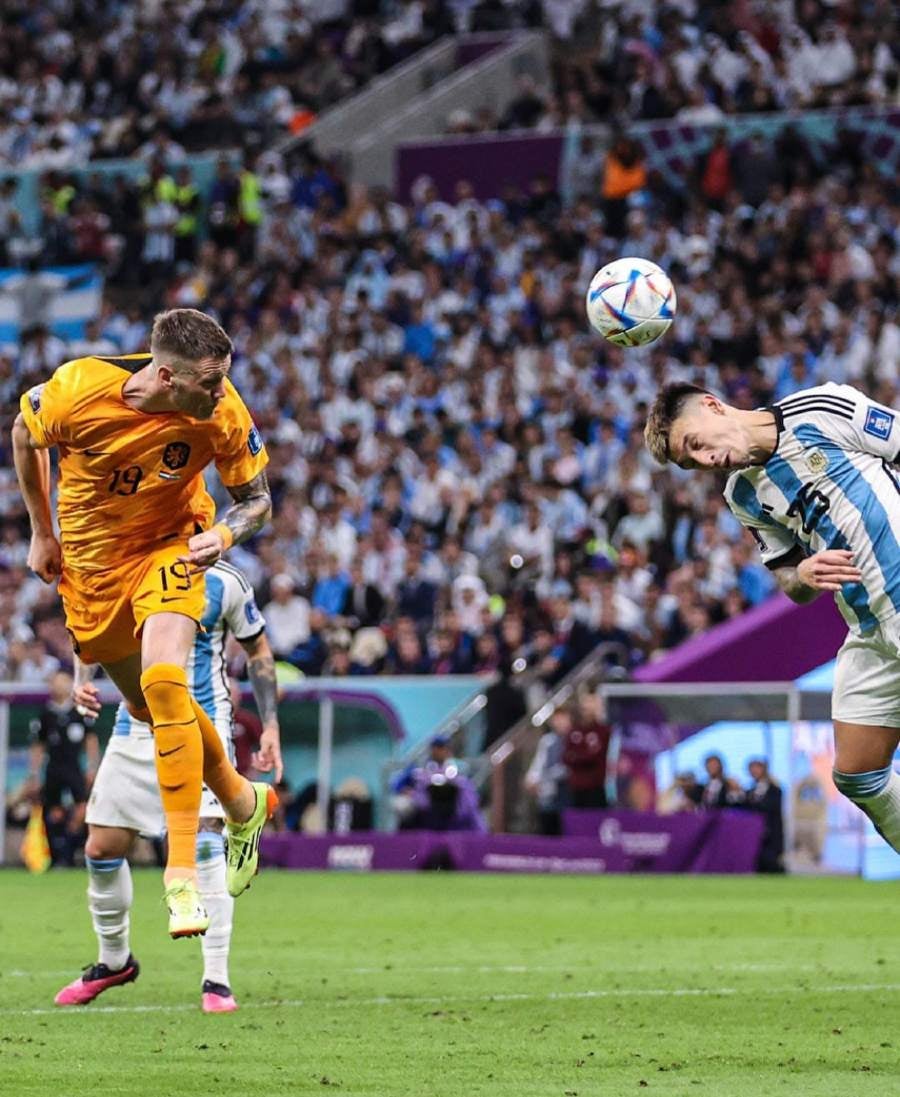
261,670
827,570
33,472
252,509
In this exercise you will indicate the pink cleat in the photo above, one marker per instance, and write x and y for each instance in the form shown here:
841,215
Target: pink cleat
94,980
217,998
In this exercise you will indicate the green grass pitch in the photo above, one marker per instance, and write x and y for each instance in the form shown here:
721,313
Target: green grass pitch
443,985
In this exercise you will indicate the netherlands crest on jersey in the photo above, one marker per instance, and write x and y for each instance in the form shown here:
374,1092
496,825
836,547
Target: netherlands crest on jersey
176,455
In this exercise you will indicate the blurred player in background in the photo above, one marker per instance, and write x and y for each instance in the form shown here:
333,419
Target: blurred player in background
134,435
812,479
125,800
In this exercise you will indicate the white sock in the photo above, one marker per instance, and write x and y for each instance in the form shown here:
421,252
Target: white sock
219,904
110,894
884,810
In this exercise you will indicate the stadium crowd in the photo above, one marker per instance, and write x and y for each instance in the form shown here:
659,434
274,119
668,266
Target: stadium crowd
99,79
698,63
456,462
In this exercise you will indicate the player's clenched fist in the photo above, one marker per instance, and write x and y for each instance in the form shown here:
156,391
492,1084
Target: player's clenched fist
45,556
87,700
828,570
205,548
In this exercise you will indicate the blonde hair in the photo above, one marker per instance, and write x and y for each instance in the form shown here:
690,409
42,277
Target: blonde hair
667,406
188,335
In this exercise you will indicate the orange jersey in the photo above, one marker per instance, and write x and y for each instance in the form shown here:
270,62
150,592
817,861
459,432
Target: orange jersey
130,480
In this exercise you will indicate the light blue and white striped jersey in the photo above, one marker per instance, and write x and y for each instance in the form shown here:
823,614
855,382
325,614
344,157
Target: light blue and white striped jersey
830,484
230,608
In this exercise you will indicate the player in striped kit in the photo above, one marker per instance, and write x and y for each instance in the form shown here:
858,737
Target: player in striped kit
812,478
125,799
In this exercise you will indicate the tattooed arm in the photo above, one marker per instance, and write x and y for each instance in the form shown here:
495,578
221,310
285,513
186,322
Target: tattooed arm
261,669
252,509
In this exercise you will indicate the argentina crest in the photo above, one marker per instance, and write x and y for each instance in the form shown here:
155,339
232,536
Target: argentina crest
176,455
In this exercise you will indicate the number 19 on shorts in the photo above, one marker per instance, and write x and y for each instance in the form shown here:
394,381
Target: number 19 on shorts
174,577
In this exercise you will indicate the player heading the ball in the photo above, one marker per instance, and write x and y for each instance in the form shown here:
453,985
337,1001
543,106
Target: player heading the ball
812,478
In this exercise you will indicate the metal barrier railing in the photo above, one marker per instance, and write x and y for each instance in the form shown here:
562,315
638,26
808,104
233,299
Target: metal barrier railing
503,767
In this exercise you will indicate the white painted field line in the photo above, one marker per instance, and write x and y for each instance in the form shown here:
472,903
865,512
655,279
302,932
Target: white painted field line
467,969
445,999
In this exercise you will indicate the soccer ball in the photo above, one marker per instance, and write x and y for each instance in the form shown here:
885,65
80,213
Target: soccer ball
631,302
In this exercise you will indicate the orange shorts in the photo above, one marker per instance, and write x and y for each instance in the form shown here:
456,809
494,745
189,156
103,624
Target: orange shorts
106,610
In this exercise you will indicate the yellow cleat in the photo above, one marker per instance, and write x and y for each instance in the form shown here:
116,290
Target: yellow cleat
187,914
242,840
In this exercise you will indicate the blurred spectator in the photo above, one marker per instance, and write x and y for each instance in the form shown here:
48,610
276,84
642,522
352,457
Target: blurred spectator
682,795
505,705
287,616
58,738
351,807
584,753
547,776
764,796
623,174
719,791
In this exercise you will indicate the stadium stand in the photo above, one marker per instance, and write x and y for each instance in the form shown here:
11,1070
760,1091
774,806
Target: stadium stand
444,432
457,467
103,79
699,63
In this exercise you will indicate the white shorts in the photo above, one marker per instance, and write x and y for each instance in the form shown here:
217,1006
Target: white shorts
867,678
126,793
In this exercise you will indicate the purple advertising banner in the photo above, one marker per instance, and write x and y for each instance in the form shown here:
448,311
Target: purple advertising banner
594,842
670,148
487,163
638,841
363,851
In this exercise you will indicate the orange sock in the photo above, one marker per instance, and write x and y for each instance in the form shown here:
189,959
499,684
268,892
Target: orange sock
179,759
218,772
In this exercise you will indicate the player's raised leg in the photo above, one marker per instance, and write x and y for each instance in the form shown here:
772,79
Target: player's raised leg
216,987
110,896
864,773
190,751
248,805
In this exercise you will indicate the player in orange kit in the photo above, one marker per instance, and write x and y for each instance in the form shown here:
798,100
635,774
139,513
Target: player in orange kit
134,435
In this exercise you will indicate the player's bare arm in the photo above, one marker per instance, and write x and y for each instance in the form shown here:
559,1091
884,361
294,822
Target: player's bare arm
33,472
261,670
84,692
826,570
252,509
